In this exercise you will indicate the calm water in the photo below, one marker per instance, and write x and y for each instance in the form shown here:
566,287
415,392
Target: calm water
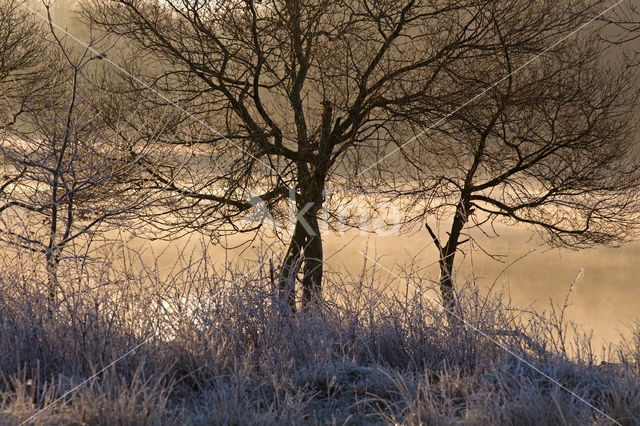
605,299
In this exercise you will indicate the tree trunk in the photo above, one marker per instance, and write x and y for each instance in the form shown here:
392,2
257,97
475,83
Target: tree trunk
52,262
447,257
306,238
305,249
446,283
290,267
313,262
449,299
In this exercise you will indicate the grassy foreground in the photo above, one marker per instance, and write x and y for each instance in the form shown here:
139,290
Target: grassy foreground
200,347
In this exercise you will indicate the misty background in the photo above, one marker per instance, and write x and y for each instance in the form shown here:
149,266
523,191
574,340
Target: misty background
603,283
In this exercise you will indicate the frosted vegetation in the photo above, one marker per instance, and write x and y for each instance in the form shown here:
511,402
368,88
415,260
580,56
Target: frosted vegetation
206,346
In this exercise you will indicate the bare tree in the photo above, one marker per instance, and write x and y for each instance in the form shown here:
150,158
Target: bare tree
291,97
64,171
22,69
552,146
622,29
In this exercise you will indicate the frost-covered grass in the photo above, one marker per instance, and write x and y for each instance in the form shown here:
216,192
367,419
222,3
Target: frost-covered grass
217,348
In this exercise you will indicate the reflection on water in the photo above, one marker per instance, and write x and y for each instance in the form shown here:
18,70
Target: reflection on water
605,299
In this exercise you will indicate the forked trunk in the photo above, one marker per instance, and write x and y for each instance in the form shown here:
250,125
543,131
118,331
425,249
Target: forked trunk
306,243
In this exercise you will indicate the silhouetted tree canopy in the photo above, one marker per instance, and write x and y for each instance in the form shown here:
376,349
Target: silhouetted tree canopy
290,98
552,146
